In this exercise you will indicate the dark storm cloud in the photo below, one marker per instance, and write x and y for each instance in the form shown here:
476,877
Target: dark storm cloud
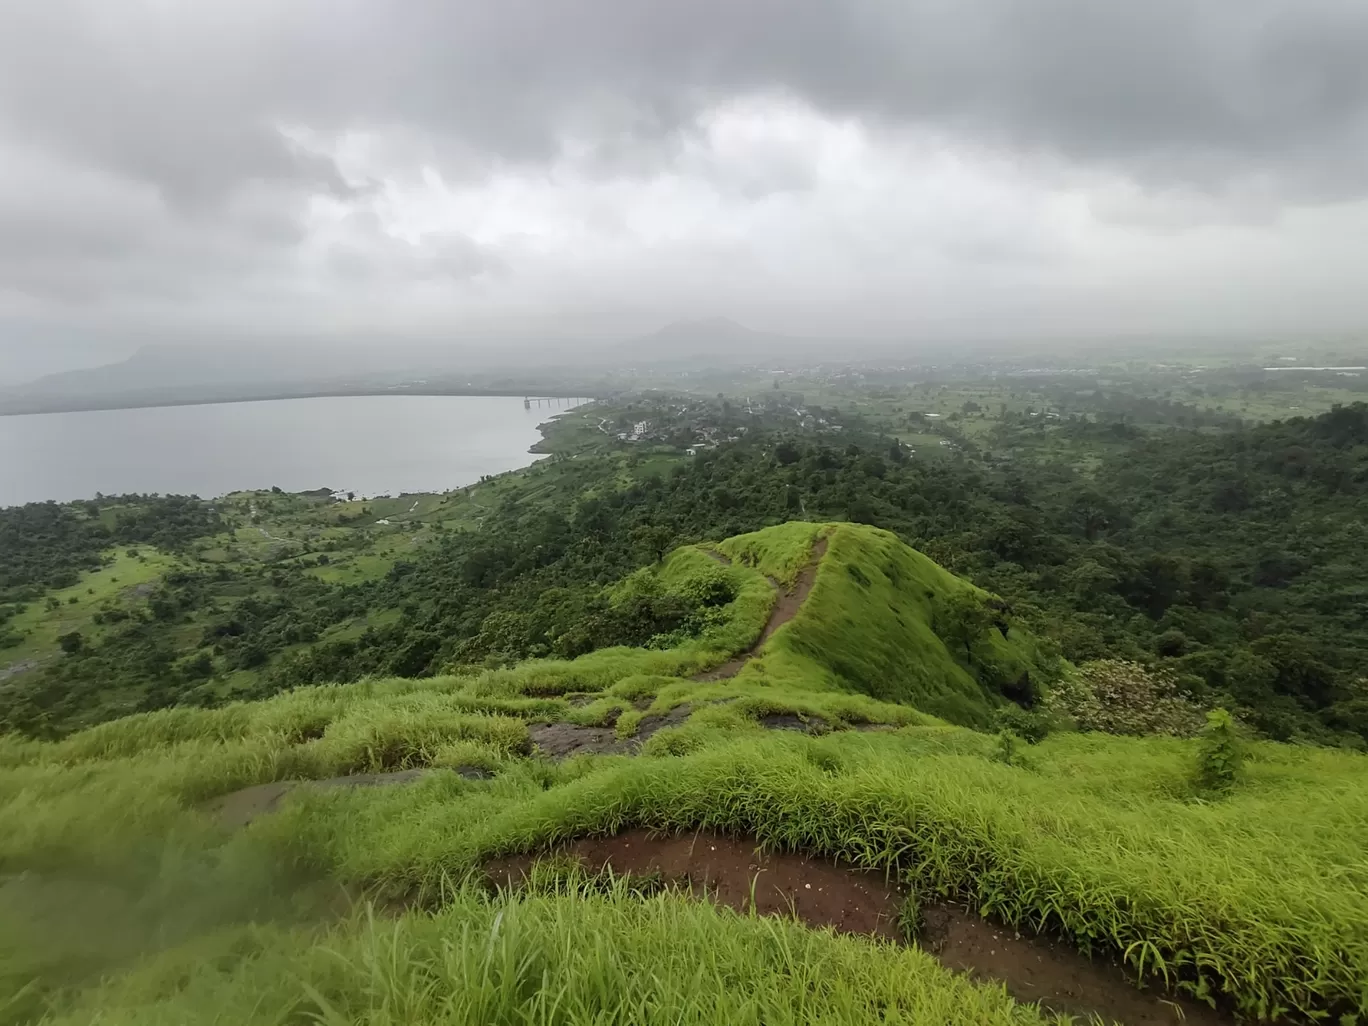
188,96
174,149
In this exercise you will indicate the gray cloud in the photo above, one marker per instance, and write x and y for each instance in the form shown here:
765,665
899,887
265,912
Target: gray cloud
188,96
366,252
167,136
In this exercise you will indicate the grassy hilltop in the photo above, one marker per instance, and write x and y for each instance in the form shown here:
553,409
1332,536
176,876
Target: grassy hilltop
131,892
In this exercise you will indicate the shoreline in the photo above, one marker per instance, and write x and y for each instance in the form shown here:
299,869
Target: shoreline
542,449
36,409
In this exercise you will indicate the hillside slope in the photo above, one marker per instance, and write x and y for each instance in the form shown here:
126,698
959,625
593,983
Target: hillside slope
186,866
885,620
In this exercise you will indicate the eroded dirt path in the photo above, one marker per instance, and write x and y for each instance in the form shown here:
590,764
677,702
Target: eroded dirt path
1050,972
785,609
849,900
239,808
563,740
723,869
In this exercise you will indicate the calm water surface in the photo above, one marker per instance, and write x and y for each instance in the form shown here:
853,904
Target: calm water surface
372,445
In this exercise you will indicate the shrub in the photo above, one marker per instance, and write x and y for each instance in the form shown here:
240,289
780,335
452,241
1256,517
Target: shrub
1121,697
707,586
1006,749
1220,754
1031,725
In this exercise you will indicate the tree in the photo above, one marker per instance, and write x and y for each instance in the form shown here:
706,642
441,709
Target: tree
652,541
962,620
71,643
1092,513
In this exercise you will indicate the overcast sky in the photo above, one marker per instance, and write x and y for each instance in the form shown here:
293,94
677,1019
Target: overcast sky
201,170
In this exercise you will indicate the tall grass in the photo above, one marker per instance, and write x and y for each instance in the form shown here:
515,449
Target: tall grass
1102,842
570,959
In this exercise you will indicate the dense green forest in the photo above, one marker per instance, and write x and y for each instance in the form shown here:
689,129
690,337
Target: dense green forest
1234,557
47,544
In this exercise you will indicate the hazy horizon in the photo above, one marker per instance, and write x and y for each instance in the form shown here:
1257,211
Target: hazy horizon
541,179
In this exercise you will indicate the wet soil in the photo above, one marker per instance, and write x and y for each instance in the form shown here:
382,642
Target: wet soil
562,740
785,609
788,721
1050,972
239,808
650,724
820,894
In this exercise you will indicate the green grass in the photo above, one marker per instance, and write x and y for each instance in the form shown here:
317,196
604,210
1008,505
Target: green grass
568,959
781,552
1258,898
1102,838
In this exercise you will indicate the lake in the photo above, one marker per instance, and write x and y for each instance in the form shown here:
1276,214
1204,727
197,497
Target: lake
371,445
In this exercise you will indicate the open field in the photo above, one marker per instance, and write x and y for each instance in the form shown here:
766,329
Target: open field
127,577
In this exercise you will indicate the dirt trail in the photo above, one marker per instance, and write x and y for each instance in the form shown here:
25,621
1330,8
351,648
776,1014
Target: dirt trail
855,901
785,609
822,894
562,740
239,808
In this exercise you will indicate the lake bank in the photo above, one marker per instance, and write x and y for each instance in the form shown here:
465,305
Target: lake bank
28,406
370,445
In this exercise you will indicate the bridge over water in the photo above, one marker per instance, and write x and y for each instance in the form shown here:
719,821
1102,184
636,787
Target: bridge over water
553,400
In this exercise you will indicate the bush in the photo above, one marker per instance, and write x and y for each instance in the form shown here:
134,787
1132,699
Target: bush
1220,754
1120,697
1031,725
707,586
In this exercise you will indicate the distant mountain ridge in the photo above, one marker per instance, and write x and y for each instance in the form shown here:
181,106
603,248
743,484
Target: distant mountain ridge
168,374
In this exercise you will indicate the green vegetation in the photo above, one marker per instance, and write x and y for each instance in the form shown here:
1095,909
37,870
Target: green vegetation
1007,712
568,958
1145,542
1220,760
1106,839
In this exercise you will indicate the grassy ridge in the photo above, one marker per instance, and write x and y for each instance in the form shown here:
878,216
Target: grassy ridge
781,552
869,626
